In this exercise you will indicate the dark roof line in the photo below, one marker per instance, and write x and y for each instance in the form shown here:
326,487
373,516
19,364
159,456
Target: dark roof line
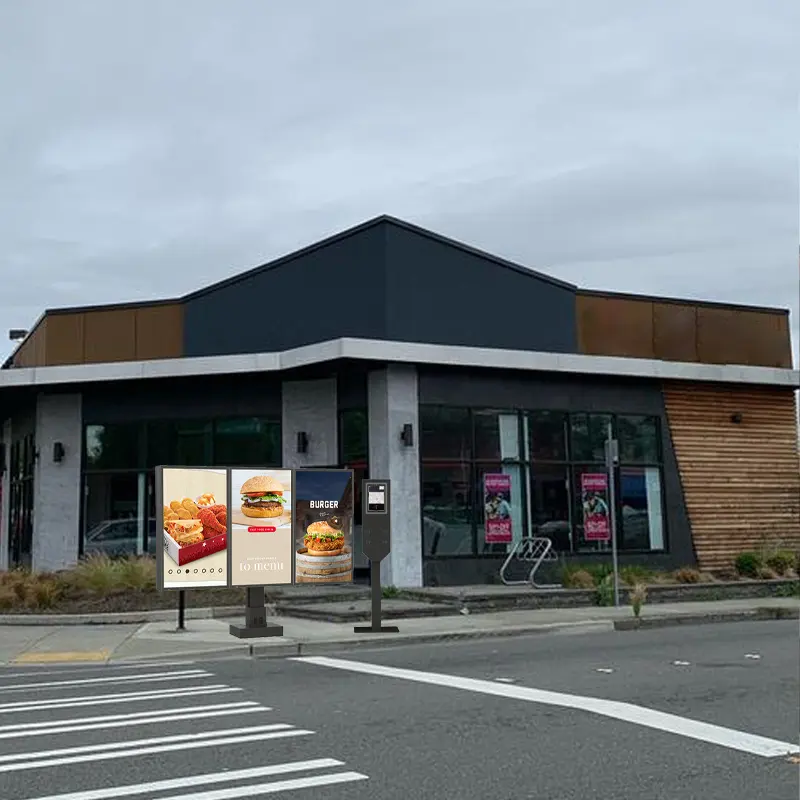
683,301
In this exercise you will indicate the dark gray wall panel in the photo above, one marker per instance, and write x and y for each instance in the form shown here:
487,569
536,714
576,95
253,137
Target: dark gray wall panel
328,292
444,294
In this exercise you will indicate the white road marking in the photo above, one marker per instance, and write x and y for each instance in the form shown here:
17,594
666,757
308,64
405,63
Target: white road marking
36,670
136,743
146,678
155,750
196,780
681,663
754,656
271,788
506,680
104,699
165,717
604,670
625,712
132,716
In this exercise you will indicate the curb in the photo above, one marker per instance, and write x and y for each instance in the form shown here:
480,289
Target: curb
119,618
753,615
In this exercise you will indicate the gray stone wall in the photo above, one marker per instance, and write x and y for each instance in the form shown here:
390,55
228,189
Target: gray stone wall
56,516
310,406
393,402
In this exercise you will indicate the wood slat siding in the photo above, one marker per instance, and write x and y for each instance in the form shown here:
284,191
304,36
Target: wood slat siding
741,483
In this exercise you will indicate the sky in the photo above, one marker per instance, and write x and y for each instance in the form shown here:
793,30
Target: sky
149,148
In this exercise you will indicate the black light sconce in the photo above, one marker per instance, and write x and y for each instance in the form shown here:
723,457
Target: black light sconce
407,435
736,418
302,442
58,452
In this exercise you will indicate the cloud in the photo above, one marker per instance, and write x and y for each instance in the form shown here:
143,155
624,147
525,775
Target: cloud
648,147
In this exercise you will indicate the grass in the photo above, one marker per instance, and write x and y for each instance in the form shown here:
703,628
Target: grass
387,592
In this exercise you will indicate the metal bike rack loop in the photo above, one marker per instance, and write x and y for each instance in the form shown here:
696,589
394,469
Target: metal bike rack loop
531,550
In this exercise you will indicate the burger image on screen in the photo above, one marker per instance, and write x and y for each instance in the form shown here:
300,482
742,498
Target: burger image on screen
262,496
323,536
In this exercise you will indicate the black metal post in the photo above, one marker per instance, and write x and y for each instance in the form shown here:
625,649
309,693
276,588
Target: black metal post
255,619
181,610
375,586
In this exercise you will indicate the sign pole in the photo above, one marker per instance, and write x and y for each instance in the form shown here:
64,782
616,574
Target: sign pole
255,621
377,545
612,457
181,610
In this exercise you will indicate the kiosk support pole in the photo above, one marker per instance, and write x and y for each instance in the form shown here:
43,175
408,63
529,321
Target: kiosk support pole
255,622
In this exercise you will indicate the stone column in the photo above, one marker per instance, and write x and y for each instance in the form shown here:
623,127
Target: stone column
57,485
311,407
393,401
5,492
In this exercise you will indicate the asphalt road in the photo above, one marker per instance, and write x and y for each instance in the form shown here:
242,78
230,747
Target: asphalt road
485,730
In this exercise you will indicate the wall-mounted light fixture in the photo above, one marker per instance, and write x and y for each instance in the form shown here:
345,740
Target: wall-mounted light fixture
736,418
407,435
58,452
302,442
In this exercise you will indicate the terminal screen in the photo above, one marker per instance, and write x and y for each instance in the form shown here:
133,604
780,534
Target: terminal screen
376,498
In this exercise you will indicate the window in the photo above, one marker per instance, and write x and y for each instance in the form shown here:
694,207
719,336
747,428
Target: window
246,442
116,446
638,439
447,503
114,514
549,486
354,437
179,443
496,436
445,434
547,436
641,507
602,506
509,507
589,433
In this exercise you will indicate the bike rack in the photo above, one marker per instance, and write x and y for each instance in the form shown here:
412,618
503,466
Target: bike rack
532,549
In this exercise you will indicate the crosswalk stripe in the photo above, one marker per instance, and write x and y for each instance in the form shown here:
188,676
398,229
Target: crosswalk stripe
129,723
35,670
135,743
146,678
104,699
271,788
133,716
145,751
197,780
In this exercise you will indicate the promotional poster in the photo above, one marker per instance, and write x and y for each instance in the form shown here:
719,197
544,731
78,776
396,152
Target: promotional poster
497,508
323,524
261,527
194,524
594,501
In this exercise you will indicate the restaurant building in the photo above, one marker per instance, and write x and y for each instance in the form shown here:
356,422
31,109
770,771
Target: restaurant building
410,357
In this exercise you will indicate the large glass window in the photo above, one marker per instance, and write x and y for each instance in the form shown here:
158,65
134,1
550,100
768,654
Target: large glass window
116,446
245,442
589,433
550,504
354,436
496,436
638,439
445,434
547,436
641,506
179,443
113,513
447,510
508,507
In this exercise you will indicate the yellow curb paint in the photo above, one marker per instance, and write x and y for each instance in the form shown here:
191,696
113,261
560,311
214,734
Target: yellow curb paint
68,657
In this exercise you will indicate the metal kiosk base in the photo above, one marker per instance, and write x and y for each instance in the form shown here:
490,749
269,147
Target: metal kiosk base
255,624
375,585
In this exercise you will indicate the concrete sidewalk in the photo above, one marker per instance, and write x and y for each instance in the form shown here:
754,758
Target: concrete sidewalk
40,644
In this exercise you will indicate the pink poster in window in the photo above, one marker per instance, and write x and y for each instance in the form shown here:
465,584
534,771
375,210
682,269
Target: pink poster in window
497,508
594,501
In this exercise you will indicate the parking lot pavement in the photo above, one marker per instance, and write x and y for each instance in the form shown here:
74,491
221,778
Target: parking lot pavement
173,731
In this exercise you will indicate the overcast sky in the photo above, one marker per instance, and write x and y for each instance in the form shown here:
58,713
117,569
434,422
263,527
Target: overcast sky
149,148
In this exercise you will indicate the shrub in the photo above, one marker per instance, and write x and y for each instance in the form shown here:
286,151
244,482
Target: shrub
578,579
16,581
8,598
137,573
638,597
43,593
96,575
748,564
389,591
604,595
687,575
633,574
781,561
767,574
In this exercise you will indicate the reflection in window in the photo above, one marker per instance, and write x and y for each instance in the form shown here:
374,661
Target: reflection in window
642,517
179,443
638,439
354,436
114,508
588,434
246,442
550,504
445,433
547,432
496,436
115,446
446,510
